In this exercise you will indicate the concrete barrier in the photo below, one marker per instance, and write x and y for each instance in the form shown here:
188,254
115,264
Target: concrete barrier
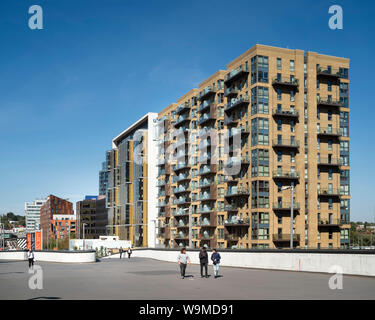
52,256
353,263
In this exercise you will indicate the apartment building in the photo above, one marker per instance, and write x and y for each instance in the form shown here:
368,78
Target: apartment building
131,190
233,152
57,218
32,214
92,212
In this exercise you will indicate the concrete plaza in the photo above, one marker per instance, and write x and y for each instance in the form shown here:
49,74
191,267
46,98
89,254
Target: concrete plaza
140,278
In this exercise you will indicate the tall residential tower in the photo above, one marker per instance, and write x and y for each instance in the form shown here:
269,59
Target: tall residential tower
231,150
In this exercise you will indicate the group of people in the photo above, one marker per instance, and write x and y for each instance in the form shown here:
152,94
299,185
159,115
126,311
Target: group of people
183,260
129,252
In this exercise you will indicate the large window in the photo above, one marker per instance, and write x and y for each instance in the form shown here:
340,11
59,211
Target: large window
344,124
259,131
259,100
260,194
260,163
259,69
344,94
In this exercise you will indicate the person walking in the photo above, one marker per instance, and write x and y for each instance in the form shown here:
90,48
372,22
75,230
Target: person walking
30,257
121,252
183,259
129,252
215,257
203,259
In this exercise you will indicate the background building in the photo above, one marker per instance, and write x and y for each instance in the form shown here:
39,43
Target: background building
56,218
103,179
290,109
32,214
131,191
92,211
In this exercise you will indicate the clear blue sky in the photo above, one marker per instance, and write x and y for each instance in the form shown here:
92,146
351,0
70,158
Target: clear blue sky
98,65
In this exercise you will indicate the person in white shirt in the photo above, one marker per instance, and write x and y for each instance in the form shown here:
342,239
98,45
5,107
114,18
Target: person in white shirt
30,256
183,259
129,252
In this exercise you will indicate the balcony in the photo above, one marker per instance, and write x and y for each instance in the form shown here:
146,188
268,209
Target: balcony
237,73
284,237
181,236
182,177
181,120
285,206
205,118
206,197
182,108
181,190
205,183
231,208
234,161
161,204
181,213
329,162
182,200
285,143
291,113
235,192
328,72
286,82
230,120
328,102
329,223
180,166
329,132
238,131
230,92
237,102
285,175
207,169
232,237
205,210
208,91
161,194
160,183
205,105
329,192
237,222
206,236
160,162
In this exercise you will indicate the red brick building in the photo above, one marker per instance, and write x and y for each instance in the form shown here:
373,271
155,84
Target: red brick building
56,218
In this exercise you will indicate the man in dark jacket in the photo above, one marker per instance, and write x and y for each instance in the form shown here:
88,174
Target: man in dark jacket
215,257
203,258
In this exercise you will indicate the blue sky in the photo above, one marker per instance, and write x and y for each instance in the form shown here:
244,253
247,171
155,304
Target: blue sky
98,65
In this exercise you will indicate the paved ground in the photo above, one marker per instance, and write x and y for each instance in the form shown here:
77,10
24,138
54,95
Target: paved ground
142,278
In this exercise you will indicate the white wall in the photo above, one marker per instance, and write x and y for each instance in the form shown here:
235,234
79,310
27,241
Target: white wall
355,264
51,256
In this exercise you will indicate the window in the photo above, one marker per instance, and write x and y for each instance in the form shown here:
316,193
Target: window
292,65
329,86
259,69
278,63
259,131
259,100
279,125
344,94
278,91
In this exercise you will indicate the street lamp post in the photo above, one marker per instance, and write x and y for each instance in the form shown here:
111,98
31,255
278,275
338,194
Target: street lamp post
291,187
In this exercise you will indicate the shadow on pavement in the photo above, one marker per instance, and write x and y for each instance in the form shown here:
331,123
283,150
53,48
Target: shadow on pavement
47,298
